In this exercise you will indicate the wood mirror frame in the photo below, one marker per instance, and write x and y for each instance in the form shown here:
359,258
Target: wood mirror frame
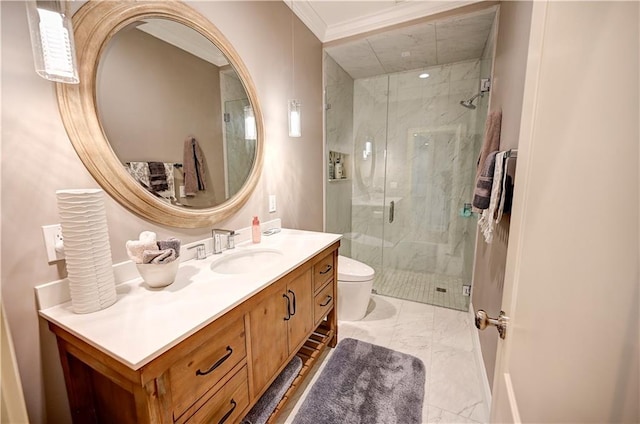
94,25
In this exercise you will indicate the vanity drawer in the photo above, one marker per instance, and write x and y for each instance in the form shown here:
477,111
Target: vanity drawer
203,367
226,405
323,271
323,302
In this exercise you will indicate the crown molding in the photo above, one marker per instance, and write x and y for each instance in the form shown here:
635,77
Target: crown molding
402,12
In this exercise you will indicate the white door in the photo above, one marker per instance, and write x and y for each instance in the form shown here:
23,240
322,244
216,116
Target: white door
571,288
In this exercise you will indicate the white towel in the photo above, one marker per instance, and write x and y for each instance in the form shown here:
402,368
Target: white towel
487,221
136,248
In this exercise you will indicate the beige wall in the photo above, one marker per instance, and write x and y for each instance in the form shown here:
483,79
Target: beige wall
147,114
37,159
506,93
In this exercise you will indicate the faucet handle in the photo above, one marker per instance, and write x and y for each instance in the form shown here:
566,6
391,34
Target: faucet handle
201,251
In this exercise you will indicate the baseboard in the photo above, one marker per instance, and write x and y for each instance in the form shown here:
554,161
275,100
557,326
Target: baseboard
482,370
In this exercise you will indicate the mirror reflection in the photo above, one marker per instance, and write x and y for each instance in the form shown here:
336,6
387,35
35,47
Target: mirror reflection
176,113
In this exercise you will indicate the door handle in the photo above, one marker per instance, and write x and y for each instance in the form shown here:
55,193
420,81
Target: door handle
392,211
288,317
294,303
483,321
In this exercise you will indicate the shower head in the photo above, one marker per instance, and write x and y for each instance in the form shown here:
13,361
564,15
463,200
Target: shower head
469,103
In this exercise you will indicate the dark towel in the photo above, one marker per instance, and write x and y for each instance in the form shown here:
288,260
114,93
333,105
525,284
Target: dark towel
193,166
157,176
484,184
158,256
170,243
490,143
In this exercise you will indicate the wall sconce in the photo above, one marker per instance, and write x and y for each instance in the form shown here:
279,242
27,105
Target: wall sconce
52,42
295,129
368,146
250,131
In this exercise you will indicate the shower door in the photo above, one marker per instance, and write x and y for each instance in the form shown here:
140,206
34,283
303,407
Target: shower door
239,151
408,211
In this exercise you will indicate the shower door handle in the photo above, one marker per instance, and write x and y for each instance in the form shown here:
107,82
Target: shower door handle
392,211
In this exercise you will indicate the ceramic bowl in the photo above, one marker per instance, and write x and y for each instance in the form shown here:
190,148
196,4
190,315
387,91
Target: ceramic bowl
158,275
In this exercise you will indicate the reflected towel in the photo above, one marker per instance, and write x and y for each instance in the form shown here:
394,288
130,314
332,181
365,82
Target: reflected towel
490,144
193,166
158,256
158,177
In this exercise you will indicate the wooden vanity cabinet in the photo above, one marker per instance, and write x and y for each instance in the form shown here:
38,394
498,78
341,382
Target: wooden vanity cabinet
218,373
280,324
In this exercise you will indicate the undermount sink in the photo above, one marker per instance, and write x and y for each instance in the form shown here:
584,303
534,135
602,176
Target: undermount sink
244,262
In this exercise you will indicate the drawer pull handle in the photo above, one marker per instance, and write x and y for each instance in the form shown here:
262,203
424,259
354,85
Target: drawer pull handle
288,317
326,269
294,303
228,414
218,363
327,302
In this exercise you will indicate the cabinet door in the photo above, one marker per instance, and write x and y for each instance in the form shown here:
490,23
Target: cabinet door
268,337
300,292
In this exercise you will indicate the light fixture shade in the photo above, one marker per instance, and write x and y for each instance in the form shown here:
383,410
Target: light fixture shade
52,42
250,131
295,129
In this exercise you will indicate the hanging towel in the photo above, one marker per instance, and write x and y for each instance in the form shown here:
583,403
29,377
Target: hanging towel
487,221
506,191
484,184
193,166
157,176
490,144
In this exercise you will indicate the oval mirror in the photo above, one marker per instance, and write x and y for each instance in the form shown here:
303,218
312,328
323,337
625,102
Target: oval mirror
165,117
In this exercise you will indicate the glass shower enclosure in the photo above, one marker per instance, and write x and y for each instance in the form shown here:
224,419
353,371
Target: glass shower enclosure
412,150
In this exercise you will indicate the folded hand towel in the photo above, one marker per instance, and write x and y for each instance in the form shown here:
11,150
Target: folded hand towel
148,237
158,256
136,248
490,143
170,243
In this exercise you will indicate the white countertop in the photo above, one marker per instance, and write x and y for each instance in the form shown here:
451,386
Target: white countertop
145,322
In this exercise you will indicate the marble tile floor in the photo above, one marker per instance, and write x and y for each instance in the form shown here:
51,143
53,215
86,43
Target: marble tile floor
422,287
441,337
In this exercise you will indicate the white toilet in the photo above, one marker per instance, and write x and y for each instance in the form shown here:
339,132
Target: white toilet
355,281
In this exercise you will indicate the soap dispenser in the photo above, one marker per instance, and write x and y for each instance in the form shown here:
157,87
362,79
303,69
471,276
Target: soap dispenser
255,230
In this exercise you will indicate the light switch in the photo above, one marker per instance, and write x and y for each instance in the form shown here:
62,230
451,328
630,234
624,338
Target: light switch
272,203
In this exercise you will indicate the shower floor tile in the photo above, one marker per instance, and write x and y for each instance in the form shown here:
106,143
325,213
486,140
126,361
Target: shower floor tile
434,289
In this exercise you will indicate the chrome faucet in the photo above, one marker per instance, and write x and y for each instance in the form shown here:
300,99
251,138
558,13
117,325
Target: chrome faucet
201,252
217,241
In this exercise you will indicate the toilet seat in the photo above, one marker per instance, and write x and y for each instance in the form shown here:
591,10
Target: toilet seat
350,270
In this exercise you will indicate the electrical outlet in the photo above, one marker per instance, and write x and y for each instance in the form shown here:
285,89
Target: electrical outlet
272,203
466,290
53,242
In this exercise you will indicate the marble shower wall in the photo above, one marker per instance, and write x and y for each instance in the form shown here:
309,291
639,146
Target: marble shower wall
431,146
339,136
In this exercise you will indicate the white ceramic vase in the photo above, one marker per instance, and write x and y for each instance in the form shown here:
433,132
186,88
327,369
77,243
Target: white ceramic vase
87,251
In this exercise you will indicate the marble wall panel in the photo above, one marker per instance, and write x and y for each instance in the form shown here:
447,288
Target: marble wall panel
431,148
